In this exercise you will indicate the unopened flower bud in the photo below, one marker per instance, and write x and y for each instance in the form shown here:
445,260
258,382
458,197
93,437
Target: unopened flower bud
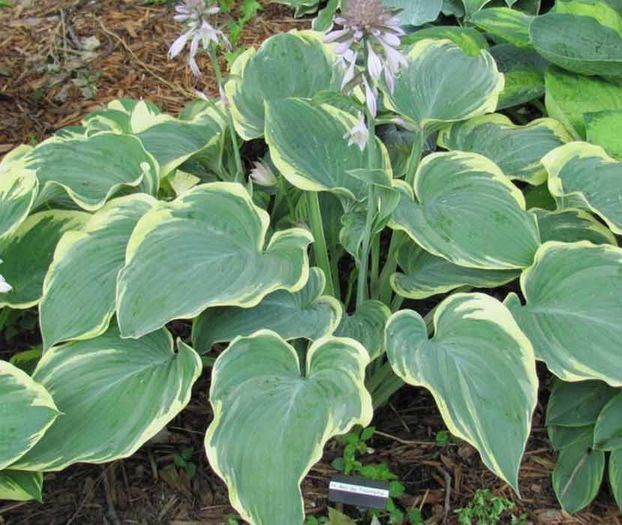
262,174
4,286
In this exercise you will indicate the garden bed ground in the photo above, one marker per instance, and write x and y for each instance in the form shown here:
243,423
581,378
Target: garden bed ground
62,58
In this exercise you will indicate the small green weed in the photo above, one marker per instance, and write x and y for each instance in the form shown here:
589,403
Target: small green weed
488,509
355,446
183,461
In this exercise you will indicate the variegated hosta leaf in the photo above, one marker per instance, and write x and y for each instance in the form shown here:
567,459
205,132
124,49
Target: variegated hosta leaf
415,12
366,326
441,83
116,116
582,36
304,314
615,475
294,64
578,404
570,97
517,150
504,24
467,211
608,429
26,411
426,275
523,70
578,474
28,252
570,225
605,129
473,6
19,485
468,38
114,395
582,175
271,423
18,189
480,369
206,248
91,169
296,130
80,287
172,141
573,308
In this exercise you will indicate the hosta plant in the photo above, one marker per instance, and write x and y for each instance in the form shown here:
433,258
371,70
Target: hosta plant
399,221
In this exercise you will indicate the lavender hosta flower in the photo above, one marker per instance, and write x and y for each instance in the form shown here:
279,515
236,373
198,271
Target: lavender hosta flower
262,174
359,134
199,32
4,286
370,35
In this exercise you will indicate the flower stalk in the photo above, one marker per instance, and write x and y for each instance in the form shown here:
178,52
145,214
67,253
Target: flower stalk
202,34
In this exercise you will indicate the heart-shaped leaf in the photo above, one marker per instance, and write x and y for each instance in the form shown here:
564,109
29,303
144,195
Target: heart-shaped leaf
257,384
297,129
294,64
573,296
480,369
214,237
583,175
80,287
304,314
26,410
468,212
91,169
517,150
426,275
441,83
129,389
28,253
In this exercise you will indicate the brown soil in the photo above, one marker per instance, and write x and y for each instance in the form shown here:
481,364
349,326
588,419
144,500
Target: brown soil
49,78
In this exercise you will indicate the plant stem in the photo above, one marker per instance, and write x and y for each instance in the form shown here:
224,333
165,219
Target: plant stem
397,238
361,287
280,180
375,265
415,156
320,250
239,175
390,265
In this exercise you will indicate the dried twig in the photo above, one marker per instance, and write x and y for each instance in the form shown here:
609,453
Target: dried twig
146,67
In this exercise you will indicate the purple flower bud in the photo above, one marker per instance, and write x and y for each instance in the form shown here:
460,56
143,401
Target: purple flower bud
358,135
194,14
